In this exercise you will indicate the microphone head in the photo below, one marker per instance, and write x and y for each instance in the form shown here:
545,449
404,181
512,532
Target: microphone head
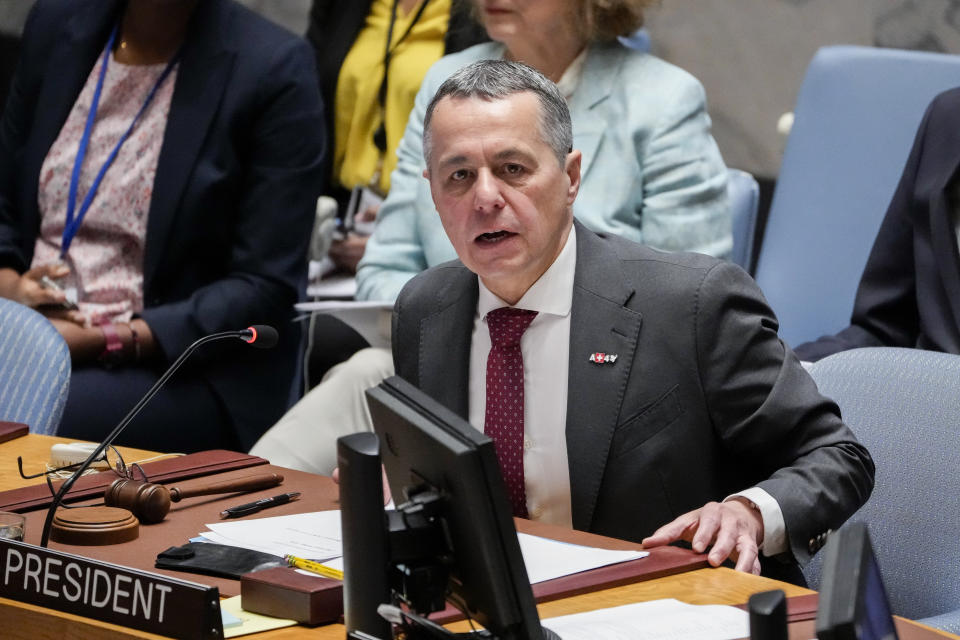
262,336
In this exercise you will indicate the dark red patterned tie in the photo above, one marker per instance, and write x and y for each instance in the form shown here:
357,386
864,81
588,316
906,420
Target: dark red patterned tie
503,420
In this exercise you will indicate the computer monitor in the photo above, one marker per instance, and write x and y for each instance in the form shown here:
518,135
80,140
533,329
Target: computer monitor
428,450
853,602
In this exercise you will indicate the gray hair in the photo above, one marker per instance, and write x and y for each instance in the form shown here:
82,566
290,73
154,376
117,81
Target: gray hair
497,79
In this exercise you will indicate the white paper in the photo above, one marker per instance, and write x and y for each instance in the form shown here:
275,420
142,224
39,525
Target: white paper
548,559
315,536
370,319
210,536
655,620
342,286
335,306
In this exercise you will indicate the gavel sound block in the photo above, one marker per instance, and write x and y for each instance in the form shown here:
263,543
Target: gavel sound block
151,502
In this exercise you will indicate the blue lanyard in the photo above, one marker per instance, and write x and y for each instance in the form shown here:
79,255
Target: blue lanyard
75,218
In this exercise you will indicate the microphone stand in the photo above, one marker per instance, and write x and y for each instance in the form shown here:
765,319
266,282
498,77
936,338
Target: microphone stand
68,483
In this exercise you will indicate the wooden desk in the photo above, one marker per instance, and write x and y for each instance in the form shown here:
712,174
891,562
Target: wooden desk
704,586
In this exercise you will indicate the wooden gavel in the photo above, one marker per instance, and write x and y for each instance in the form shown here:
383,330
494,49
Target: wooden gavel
150,502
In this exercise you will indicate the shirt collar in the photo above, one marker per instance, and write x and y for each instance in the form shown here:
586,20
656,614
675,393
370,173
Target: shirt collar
552,293
568,82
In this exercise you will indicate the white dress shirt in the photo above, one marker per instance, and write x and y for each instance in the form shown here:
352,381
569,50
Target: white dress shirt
545,347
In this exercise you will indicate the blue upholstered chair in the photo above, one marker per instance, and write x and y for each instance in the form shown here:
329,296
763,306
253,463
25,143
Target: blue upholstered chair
855,120
744,195
34,369
946,621
904,406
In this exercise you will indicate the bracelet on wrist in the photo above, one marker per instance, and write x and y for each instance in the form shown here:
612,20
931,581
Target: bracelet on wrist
112,353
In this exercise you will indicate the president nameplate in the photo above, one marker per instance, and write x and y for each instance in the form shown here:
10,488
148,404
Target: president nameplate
108,592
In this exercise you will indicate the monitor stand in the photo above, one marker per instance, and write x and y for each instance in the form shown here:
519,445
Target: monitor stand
405,559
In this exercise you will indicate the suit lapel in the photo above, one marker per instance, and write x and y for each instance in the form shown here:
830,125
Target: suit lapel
202,76
599,323
445,337
596,85
944,241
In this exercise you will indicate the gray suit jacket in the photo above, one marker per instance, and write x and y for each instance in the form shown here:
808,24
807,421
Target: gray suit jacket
704,399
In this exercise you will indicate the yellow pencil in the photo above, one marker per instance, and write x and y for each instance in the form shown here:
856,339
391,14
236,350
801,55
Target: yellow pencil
314,567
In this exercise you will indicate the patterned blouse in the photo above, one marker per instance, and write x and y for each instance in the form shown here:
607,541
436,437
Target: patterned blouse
106,255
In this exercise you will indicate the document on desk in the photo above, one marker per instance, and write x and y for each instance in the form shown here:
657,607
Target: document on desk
655,620
547,559
316,536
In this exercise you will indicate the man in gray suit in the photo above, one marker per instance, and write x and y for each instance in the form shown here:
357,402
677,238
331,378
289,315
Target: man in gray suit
682,408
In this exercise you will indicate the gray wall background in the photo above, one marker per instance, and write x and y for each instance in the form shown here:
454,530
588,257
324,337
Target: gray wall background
749,54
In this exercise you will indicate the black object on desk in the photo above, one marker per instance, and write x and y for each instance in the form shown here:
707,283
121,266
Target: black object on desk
768,615
214,559
366,546
264,503
853,601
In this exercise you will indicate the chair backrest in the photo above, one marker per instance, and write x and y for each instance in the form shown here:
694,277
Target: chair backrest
34,369
949,621
855,120
904,406
744,196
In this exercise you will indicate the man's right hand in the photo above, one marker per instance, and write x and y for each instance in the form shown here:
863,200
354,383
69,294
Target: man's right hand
731,528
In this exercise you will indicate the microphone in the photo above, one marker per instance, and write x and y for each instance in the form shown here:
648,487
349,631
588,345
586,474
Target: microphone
261,336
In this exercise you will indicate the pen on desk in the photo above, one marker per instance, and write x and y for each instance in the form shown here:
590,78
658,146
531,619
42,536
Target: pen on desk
314,567
263,503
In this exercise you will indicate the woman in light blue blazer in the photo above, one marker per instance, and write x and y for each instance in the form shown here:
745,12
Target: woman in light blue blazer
652,172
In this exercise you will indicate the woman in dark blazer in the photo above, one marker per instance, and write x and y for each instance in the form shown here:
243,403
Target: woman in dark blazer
236,181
